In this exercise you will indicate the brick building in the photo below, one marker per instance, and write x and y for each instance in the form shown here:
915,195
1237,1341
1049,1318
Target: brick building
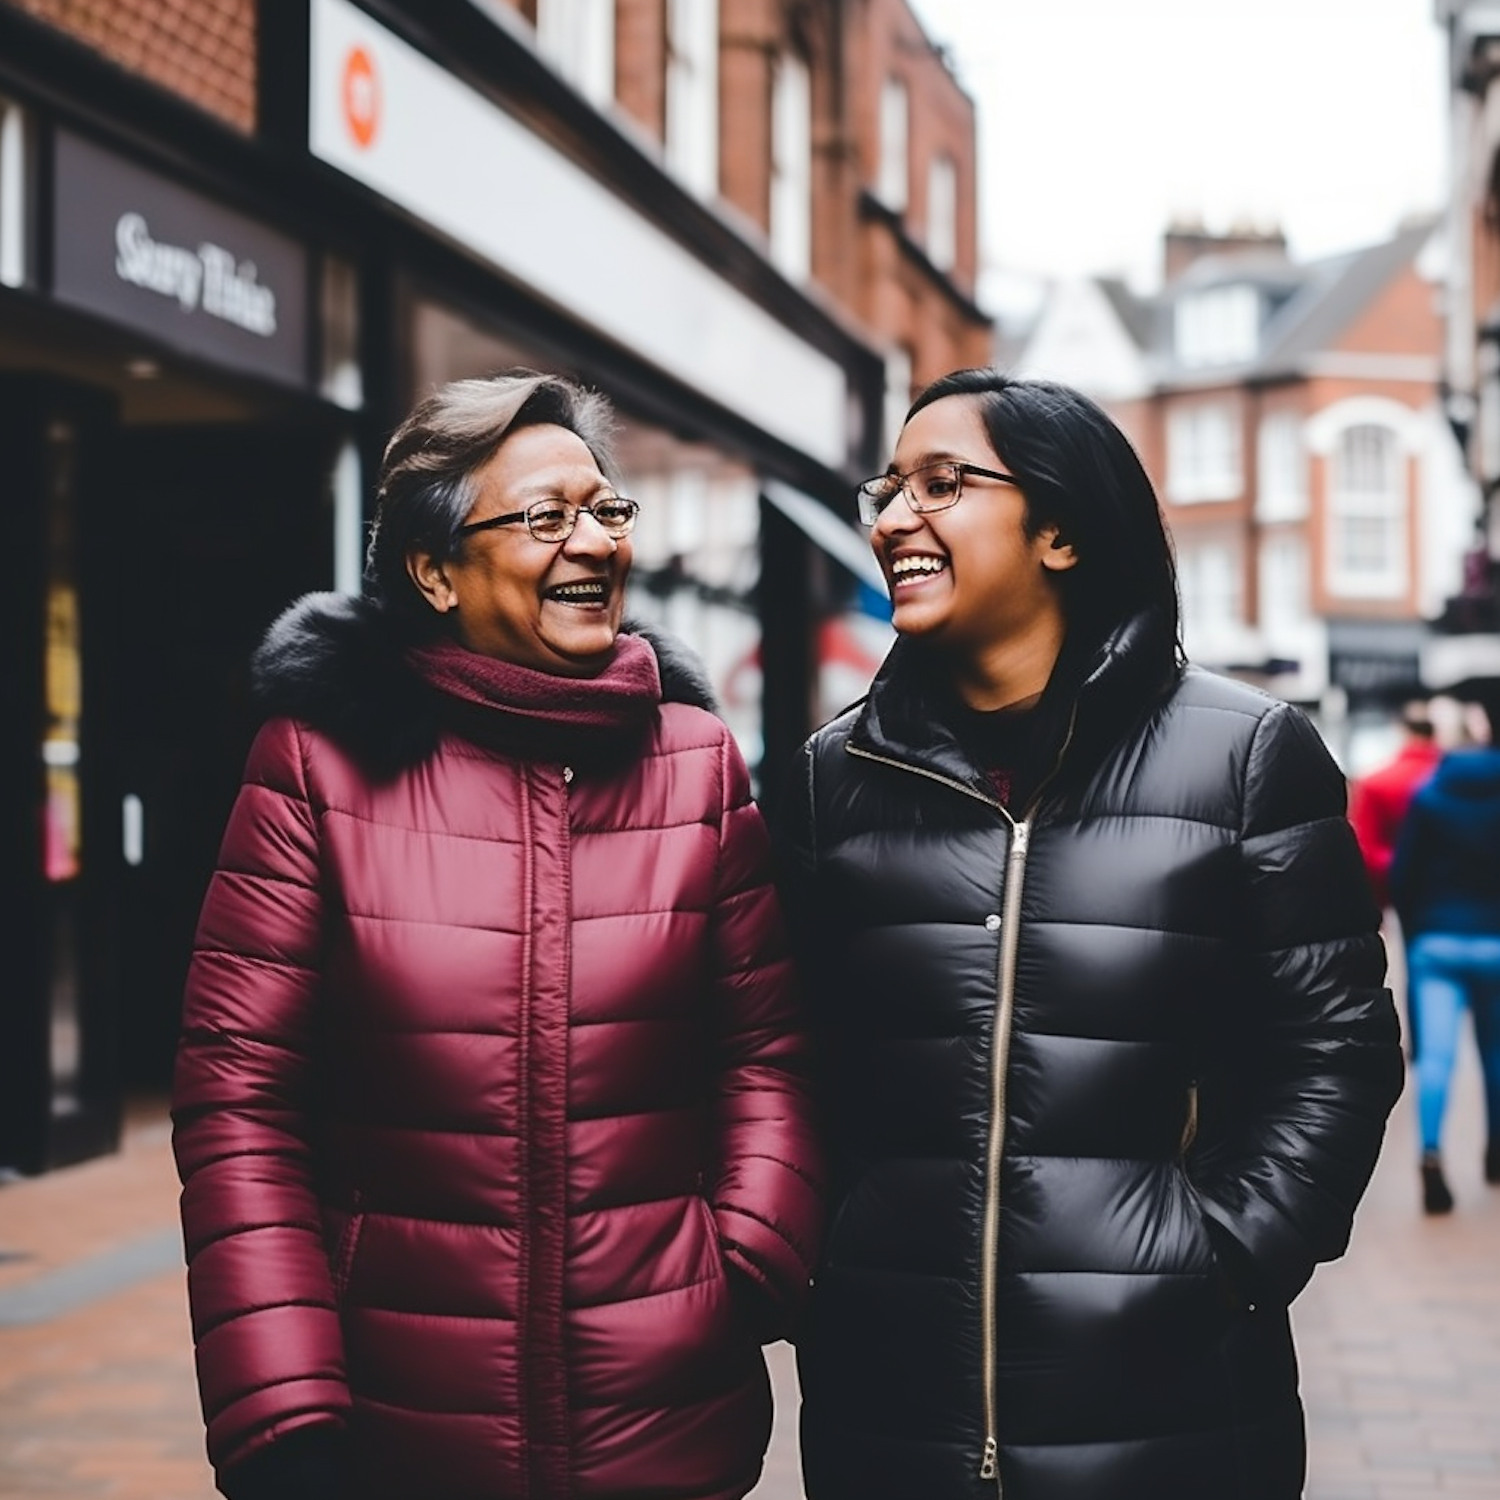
1289,414
1466,646
238,239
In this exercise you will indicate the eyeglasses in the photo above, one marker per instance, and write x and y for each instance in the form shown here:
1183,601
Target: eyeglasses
553,520
930,487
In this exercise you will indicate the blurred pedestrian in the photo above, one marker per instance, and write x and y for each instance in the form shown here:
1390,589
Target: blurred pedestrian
1445,881
1097,983
490,1105
1377,804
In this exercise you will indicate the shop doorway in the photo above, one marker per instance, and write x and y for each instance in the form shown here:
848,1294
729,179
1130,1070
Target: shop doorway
216,528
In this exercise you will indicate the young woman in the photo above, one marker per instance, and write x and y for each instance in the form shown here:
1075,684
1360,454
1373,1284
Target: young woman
490,1107
1097,981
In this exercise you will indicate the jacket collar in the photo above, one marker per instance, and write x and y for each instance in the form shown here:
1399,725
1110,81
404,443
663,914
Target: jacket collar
1098,692
346,666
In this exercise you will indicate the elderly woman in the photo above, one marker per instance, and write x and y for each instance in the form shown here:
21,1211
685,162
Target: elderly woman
1098,980
490,1108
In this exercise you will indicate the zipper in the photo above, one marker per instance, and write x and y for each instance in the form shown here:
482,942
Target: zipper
1010,941
948,781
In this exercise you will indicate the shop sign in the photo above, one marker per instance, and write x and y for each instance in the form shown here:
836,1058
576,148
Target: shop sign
157,257
389,117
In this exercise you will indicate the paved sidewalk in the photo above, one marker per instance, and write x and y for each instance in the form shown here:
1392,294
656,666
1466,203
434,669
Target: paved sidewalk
1400,1341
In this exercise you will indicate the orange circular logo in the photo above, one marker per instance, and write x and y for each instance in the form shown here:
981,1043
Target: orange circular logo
361,96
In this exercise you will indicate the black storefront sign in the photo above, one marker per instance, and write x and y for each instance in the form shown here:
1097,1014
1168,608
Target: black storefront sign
1376,659
149,253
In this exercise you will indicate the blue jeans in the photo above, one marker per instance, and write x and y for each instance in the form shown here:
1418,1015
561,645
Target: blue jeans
1447,972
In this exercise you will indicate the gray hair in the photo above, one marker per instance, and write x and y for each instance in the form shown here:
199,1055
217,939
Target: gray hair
428,475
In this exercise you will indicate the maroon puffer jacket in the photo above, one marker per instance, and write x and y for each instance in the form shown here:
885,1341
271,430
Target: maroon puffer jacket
490,1105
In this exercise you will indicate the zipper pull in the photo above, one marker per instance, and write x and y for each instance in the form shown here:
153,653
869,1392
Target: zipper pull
988,1464
1020,839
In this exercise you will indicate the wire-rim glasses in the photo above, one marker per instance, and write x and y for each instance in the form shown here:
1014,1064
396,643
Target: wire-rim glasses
929,487
552,520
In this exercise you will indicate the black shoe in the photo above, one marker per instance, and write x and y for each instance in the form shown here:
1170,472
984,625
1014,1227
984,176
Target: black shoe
1436,1199
1492,1162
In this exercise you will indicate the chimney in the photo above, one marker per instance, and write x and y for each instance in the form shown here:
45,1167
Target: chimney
1187,240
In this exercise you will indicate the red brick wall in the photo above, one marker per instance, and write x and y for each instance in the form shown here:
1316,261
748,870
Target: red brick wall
641,62
1405,318
201,50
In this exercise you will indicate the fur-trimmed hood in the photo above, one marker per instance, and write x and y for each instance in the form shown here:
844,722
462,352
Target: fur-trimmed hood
339,664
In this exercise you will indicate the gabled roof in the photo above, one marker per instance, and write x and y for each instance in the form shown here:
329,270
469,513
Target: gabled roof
1135,313
1335,293
1310,304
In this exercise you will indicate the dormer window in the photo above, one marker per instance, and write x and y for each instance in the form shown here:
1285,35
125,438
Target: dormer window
1219,326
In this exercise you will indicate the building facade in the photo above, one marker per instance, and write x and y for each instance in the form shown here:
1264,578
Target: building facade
237,241
1466,644
1290,415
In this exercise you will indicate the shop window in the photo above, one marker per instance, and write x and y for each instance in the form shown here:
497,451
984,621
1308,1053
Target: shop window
791,168
13,194
895,110
693,94
942,213
1203,452
578,38
1367,514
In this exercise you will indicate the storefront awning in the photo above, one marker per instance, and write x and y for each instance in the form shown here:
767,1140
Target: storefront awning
837,538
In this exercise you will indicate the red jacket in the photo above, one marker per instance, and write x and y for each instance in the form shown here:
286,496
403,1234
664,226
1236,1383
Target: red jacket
1378,803
490,1109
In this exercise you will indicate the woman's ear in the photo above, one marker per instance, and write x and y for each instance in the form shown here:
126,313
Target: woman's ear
1059,554
432,580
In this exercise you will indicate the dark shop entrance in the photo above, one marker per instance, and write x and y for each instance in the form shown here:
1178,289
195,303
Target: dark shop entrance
155,551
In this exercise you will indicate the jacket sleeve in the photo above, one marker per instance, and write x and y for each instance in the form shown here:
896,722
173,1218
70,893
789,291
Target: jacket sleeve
1408,876
1291,1127
269,1349
1369,821
767,1197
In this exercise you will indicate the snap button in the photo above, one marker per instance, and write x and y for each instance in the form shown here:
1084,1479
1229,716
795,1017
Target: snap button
992,922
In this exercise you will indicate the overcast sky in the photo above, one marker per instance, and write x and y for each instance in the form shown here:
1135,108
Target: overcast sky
1100,120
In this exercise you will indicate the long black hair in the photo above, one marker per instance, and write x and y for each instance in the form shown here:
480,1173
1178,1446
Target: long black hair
1079,473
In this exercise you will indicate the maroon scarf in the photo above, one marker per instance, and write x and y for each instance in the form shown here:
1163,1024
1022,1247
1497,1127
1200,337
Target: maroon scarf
531,713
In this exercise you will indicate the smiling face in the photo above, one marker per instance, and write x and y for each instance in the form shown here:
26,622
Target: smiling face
555,607
969,578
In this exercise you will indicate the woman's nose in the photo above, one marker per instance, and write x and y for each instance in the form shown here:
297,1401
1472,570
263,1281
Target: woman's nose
589,538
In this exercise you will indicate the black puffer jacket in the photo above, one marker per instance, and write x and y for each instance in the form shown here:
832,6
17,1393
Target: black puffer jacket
1104,1085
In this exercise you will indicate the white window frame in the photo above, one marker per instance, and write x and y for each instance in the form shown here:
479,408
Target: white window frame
1204,461
791,168
692,134
1211,582
578,38
942,212
1218,325
1368,508
1284,582
898,393
893,185
1280,468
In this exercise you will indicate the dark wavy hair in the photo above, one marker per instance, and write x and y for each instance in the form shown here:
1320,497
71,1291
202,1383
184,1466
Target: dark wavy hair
1079,473
428,477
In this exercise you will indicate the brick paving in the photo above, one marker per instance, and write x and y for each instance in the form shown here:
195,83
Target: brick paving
1400,1341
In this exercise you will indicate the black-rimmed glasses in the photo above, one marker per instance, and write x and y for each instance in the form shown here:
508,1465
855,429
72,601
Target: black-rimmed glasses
553,520
929,487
